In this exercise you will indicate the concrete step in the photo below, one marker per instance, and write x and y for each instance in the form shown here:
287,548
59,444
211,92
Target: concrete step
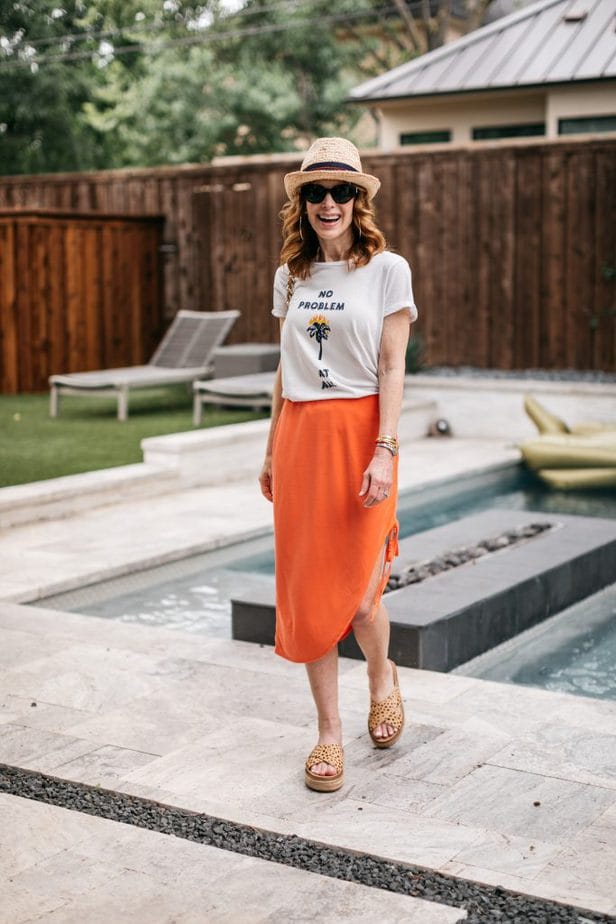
57,498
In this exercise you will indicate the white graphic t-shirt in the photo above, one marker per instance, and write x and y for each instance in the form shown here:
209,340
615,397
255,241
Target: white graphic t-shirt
332,332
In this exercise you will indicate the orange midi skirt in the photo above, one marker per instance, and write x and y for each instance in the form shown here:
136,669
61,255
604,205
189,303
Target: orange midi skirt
327,543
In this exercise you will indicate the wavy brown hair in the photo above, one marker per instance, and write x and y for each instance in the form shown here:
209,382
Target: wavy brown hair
299,250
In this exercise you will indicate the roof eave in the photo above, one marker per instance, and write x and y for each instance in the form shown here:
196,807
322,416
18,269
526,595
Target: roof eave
546,85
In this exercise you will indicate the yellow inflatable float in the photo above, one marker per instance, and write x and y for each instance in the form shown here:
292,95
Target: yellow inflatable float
582,456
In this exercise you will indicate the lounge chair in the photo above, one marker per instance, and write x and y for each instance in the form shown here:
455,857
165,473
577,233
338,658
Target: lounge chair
237,391
184,354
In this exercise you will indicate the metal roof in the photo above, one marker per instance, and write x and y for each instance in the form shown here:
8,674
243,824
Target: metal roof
553,41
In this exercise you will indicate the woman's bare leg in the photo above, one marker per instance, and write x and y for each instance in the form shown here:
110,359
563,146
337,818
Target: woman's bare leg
373,639
323,677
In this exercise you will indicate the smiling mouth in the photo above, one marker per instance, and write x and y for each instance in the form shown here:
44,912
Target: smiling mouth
329,221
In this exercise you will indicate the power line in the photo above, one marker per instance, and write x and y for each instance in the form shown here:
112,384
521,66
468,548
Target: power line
205,38
154,26
166,24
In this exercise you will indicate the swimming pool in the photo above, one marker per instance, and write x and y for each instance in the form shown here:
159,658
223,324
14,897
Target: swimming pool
194,594
572,652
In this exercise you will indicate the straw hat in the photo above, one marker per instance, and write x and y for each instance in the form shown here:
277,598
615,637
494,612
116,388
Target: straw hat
331,159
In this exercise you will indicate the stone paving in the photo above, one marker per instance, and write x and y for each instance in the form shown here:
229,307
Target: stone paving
499,784
72,868
494,783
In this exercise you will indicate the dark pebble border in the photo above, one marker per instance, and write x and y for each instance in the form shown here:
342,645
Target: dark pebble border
484,904
419,571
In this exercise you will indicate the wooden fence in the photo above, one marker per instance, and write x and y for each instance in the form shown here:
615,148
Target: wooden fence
77,292
512,244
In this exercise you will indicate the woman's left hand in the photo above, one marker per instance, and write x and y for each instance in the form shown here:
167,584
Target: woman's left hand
378,478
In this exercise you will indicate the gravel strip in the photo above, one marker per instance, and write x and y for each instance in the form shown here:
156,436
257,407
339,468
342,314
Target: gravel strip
419,571
546,375
484,904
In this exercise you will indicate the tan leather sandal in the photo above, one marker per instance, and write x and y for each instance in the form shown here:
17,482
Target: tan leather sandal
389,711
331,754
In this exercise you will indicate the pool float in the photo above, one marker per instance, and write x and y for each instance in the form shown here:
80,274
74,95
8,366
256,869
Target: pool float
568,478
550,423
582,456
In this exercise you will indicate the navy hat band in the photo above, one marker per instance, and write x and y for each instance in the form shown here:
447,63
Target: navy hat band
331,165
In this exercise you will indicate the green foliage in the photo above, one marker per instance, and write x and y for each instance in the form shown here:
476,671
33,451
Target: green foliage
108,83
415,359
87,435
41,122
114,83
235,93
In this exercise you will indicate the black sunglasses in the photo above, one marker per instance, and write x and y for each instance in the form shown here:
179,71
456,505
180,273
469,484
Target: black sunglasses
315,193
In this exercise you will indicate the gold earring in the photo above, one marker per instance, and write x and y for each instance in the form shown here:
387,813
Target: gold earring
358,226
301,236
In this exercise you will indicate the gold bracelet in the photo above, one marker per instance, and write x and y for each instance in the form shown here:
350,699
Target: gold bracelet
391,440
389,443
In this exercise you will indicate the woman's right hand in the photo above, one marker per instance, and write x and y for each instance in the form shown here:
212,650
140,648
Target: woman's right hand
265,479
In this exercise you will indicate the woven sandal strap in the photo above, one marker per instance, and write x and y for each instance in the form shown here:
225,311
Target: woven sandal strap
387,712
328,754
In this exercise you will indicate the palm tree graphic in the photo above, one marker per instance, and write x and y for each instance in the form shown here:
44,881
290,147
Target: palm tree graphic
319,329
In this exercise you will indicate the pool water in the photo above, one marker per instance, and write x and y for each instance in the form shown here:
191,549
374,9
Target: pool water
572,652
194,595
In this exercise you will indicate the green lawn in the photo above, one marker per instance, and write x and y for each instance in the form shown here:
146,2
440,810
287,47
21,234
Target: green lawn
87,435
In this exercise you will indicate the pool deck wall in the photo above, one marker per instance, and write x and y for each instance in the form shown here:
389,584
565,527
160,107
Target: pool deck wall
493,407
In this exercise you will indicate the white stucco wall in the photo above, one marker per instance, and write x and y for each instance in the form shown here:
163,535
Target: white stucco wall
579,101
460,113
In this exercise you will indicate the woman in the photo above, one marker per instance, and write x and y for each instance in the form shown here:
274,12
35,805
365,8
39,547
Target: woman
344,304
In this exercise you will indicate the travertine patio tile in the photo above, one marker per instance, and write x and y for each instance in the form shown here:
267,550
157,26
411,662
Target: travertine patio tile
242,692
407,837
504,800
586,863
31,832
38,714
158,722
108,871
450,756
444,715
235,762
104,766
597,715
521,857
507,708
66,876
537,887
396,793
426,686
261,659
27,908
17,648
37,749
566,752
84,677
136,692
313,901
